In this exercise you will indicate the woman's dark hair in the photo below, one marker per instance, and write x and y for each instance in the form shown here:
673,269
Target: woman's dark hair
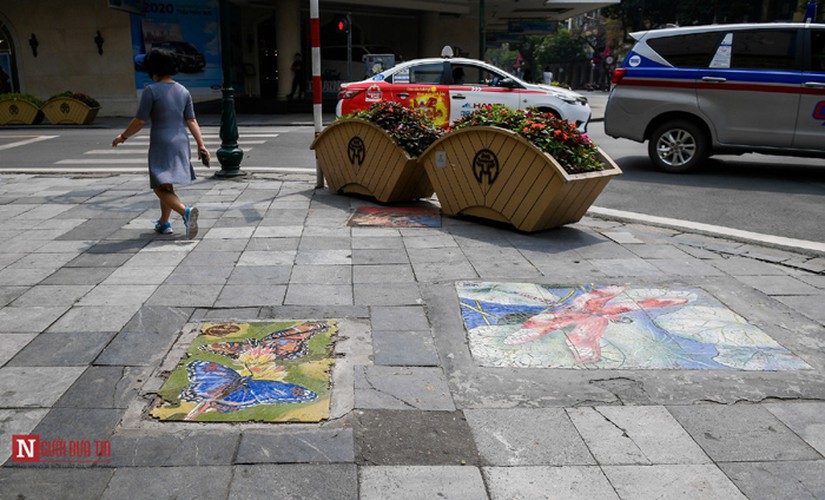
160,62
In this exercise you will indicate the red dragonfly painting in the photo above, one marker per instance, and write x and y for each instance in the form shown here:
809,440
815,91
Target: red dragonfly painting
589,314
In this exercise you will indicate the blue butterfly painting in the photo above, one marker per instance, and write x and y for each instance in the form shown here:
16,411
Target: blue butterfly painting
217,387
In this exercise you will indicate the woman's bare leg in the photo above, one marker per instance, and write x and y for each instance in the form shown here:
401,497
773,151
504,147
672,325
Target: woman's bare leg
168,201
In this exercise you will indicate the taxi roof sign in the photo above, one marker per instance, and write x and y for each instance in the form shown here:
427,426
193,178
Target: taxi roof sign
447,52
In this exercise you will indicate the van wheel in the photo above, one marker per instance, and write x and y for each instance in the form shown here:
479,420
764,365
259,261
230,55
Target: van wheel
678,146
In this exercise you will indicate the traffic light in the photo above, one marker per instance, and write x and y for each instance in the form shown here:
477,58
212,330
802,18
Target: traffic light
342,25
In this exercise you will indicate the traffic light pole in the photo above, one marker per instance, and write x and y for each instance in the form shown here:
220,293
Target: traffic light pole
349,48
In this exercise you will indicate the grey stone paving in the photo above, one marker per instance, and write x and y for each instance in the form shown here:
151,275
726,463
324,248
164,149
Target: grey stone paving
94,307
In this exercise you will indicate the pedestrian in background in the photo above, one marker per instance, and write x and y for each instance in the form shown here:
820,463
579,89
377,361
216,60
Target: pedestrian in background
297,77
168,105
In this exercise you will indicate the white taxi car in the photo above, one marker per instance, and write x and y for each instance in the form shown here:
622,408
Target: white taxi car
448,88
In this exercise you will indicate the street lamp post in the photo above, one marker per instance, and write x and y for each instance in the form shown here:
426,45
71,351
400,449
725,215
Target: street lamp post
229,154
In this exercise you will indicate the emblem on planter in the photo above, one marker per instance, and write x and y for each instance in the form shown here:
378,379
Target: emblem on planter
65,108
485,163
356,151
14,110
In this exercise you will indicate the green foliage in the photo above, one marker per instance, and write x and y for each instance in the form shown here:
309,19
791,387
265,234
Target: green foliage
561,47
411,130
88,101
503,57
23,97
574,151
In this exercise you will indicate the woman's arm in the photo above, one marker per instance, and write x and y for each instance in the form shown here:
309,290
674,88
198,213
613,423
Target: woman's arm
203,153
133,128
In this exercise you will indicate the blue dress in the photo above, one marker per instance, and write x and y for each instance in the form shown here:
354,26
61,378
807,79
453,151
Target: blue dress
168,105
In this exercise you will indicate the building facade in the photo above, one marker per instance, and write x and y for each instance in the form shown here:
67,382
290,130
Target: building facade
91,46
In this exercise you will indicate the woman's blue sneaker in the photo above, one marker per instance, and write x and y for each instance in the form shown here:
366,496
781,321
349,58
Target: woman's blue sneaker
165,228
190,220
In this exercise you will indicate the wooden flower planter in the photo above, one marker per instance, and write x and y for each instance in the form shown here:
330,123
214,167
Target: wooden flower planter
66,110
493,173
357,156
19,112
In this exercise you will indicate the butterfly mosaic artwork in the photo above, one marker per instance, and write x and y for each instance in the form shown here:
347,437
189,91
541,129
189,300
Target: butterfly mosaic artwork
396,217
612,327
271,372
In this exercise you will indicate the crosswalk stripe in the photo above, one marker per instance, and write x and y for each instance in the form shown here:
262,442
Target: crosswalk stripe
145,142
126,170
133,151
27,141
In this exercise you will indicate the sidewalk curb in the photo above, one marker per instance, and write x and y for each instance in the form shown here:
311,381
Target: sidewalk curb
805,247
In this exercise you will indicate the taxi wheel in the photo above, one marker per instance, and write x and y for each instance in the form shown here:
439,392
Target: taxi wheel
678,146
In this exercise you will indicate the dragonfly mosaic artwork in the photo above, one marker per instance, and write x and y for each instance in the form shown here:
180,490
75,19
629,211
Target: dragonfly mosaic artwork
612,327
270,372
396,217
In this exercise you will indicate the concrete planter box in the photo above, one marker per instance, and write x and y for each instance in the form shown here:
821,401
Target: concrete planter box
359,157
66,110
495,174
19,112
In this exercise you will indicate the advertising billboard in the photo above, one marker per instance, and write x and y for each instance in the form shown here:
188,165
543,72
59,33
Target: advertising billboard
190,29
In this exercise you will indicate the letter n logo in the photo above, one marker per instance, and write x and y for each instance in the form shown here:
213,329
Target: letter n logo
25,448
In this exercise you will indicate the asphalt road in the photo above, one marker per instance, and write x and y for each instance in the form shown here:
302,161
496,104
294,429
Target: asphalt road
772,195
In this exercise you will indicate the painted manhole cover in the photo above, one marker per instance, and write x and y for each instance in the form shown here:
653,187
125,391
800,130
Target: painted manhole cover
396,217
258,371
612,327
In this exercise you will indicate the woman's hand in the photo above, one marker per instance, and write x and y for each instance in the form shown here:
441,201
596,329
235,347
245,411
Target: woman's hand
203,155
118,140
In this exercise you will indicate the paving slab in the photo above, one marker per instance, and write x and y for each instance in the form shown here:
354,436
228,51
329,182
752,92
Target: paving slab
69,484
403,437
172,483
742,433
62,349
796,480
403,348
16,422
327,481
29,319
526,436
94,319
12,343
416,482
806,419
674,482
173,447
386,294
35,387
289,445
399,388
105,387
551,483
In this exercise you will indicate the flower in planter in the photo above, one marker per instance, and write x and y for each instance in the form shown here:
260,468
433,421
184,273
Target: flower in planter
22,97
574,151
411,130
88,101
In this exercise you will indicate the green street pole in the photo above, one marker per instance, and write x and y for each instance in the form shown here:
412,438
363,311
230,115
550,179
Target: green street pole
229,154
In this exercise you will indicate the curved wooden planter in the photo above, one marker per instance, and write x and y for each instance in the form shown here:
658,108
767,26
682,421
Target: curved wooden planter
495,174
357,156
66,110
19,112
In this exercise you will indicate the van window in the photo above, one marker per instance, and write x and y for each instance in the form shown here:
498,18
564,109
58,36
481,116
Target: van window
818,50
764,49
687,51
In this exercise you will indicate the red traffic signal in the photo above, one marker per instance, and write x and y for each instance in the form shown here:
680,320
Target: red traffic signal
342,25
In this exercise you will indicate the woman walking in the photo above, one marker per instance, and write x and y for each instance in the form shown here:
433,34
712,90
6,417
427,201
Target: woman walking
169,106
